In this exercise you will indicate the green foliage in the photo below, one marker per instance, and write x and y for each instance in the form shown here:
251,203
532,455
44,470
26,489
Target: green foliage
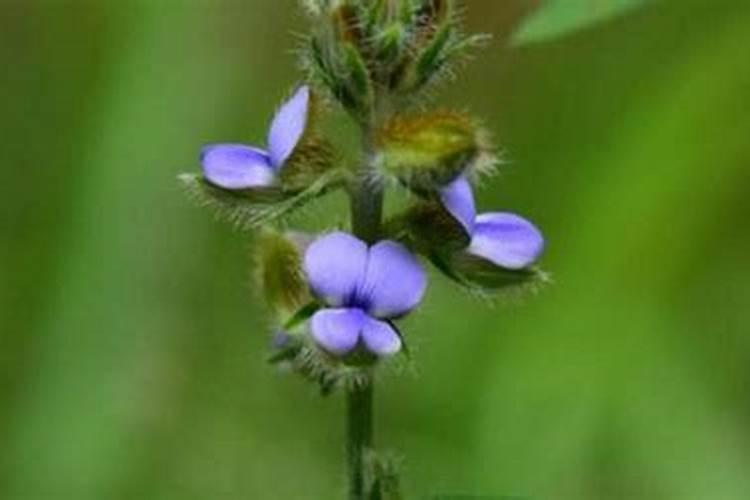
556,18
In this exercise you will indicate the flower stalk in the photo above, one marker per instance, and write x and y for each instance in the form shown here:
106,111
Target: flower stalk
359,437
366,214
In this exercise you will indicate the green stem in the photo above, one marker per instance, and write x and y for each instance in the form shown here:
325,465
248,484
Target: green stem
366,216
359,431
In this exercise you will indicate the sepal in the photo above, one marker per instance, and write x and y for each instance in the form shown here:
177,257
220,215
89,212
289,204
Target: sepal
313,158
427,226
251,208
484,277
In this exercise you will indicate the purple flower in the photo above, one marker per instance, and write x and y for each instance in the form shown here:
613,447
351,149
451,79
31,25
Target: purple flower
363,287
505,239
237,166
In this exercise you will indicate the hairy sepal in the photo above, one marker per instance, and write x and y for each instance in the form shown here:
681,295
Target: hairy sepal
486,278
312,159
427,227
252,208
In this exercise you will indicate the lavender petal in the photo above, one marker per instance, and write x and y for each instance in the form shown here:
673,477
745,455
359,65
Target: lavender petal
337,330
335,266
288,126
380,338
458,199
507,240
394,282
235,166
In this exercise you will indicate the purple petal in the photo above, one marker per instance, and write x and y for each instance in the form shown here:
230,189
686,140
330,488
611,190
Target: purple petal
234,166
458,199
394,282
507,240
337,330
380,337
288,126
335,266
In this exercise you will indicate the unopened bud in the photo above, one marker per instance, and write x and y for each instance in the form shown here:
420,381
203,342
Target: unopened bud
279,271
426,151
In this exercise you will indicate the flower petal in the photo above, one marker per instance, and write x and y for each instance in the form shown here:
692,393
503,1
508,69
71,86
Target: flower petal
288,126
507,240
380,337
458,199
394,282
235,166
335,266
337,330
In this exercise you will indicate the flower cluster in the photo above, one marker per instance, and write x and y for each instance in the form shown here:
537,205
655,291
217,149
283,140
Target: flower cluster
337,295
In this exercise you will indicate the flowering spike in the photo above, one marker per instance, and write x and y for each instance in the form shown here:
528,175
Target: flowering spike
337,297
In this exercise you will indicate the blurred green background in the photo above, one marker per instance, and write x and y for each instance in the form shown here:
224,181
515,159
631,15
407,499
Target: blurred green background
132,342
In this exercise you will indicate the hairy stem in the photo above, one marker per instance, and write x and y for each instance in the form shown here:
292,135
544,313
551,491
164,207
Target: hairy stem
366,217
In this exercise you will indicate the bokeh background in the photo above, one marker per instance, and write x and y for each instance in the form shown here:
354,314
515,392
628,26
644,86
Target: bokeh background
132,343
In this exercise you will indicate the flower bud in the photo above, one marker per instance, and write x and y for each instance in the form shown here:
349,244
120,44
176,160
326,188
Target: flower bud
337,59
390,44
279,271
427,151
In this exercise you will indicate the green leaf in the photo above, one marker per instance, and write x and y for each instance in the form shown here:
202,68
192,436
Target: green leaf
555,18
